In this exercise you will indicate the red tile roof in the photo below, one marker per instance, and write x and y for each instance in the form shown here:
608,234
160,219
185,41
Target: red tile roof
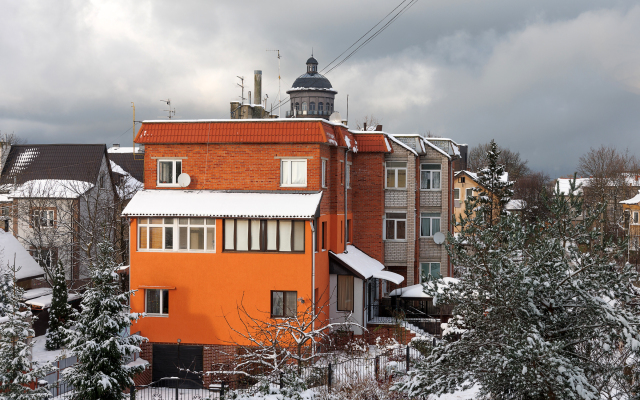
241,131
372,143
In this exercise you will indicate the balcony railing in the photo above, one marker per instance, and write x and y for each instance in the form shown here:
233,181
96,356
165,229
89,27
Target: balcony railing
309,112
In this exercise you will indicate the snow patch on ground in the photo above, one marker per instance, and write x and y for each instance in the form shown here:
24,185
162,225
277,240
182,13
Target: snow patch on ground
42,355
461,395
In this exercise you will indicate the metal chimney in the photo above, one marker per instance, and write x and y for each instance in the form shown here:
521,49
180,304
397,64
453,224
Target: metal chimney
257,83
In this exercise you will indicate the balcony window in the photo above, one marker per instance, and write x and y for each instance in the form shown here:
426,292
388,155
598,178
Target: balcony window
430,176
396,175
177,234
264,235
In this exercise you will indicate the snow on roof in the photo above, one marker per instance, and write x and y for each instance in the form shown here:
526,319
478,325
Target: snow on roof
10,248
634,200
208,203
396,141
4,198
515,205
417,291
33,293
130,184
45,301
24,159
366,266
564,185
433,146
270,120
472,175
51,188
125,150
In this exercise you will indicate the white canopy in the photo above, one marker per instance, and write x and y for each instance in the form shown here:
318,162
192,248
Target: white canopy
366,266
207,203
11,249
417,291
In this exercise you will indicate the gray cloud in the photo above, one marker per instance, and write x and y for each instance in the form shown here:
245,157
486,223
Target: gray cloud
547,78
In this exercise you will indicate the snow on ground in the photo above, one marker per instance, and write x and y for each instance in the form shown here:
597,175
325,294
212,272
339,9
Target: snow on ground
461,395
42,355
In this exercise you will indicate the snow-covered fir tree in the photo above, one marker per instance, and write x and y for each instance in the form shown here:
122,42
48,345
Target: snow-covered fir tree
60,311
17,373
542,311
97,340
495,190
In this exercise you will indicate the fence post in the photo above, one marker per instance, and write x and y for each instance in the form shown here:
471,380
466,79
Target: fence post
177,385
377,368
222,390
330,376
408,356
132,392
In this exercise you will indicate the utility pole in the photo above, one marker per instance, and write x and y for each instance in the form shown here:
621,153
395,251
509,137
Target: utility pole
279,79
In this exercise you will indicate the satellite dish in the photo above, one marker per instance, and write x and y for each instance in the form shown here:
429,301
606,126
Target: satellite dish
335,117
438,238
184,180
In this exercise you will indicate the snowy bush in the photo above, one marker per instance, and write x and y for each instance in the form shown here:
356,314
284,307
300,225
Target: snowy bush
60,311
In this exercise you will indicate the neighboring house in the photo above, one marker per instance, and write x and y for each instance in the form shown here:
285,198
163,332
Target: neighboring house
418,182
60,198
261,215
465,185
11,251
631,210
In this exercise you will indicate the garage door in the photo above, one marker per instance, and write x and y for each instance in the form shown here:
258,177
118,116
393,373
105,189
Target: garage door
169,359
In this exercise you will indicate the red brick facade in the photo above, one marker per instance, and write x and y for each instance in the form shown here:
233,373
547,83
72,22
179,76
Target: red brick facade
368,210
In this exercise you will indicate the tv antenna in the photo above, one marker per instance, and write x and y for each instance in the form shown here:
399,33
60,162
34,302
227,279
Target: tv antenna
171,111
241,84
279,79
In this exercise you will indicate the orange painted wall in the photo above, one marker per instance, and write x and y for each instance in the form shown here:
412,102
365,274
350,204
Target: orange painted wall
211,285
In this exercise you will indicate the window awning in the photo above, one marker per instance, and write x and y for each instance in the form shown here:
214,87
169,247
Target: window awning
208,203
363,266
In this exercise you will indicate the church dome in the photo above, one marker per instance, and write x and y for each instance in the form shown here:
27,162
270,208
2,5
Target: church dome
312,79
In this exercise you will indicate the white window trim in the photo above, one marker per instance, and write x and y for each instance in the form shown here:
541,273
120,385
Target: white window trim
454,193
466,192
160,314
39,212
386,186
430,262
431,227
173,160
384,226
306,178
430,172
176,237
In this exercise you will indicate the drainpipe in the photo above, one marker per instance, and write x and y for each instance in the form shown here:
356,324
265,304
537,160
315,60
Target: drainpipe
346,229
313,269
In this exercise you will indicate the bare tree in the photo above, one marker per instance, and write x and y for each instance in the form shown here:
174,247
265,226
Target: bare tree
513,163
530,189
368,122
11,138
612,178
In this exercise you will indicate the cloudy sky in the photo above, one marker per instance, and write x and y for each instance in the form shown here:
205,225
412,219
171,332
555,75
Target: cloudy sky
547,78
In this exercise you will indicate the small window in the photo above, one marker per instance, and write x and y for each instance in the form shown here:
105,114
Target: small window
430,270
168,172
320,107
429,224
348,231
469,192
304,106
324,172
312,106
396,175
284,304
461,179
348,175
396,226
298,106
324,236
430,176
345,293
456,194
45,257
635,217
293,173
101,181
157,301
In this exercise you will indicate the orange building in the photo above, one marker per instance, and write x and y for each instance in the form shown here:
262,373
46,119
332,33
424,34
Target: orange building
251,212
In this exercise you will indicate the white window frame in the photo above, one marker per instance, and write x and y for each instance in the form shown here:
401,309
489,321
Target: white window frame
287,163
160,314
395,226
176,234
174,161
37,218
387,167
431,173
431,265
424,216
324,173
454,194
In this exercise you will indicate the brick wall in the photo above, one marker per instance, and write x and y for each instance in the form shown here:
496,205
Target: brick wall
368,195
395,198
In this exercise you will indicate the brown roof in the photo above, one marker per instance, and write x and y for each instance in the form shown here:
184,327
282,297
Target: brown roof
373,143
80,162
126,161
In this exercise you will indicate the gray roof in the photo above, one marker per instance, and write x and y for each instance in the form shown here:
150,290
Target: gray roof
80,162
311,80
129,163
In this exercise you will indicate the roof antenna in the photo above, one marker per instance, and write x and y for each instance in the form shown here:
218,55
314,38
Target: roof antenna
241,84
278,51
171,111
